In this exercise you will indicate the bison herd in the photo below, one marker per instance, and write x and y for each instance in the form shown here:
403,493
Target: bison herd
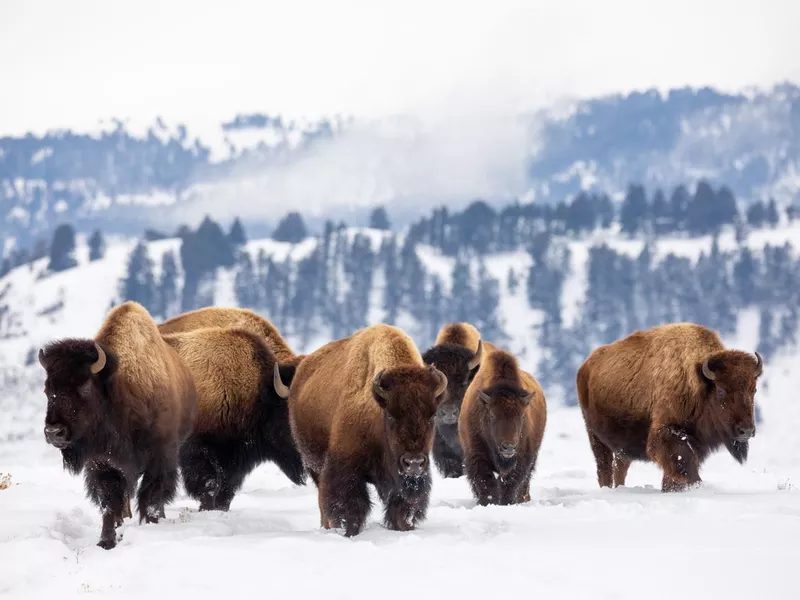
211,394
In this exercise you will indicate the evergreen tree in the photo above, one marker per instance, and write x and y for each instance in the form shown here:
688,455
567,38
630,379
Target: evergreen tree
40,250
244,284
766,343
679,206
236,235
605,212
97,245
62,249
772,216
291,229
462,295
168,286
661,214
512,281
634,212
486,317
745,276
139,283
379,219
756,214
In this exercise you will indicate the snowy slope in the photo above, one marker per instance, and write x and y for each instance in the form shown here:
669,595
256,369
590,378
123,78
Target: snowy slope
736,537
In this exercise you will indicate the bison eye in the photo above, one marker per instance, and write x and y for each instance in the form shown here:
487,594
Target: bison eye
720,393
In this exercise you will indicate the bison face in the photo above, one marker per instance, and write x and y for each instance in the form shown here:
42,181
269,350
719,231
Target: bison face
732,376
409,398
74,404
459,365
504,407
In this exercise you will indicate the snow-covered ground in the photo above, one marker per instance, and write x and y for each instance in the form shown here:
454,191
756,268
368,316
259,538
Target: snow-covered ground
736,537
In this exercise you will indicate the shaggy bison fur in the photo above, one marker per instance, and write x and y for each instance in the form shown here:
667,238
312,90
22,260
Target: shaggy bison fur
119,406
672,395
362,412
241,420
501,427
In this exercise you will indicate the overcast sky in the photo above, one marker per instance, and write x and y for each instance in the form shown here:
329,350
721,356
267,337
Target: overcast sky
68,63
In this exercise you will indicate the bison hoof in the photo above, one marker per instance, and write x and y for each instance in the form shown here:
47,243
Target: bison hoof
107,543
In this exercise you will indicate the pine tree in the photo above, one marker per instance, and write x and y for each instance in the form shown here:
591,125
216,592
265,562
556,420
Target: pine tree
756,214
679,206
139,283
291,229
772,216
62,249
634,212
97,246
462,295
661,215
486,316
379,219
244,285
236,235
168,286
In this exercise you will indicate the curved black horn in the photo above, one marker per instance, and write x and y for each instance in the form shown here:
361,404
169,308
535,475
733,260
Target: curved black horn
378,389
100,363
277,382
442,379
476,359
759,363
707,371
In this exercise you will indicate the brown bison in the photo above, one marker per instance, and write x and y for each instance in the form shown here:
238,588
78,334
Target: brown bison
501,427
457,354
214,316
241,420
119,407
362,411
672,395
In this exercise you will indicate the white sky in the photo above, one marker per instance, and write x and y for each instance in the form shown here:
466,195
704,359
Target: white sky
67,63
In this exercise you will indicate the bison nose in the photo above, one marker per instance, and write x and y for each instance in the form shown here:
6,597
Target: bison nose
745,433
508,450
55,434
413,464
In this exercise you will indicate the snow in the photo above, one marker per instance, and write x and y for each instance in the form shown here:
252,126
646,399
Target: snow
737,535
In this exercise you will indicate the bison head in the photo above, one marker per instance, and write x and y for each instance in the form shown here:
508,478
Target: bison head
504,411
731,376
76,376
409,398
459,365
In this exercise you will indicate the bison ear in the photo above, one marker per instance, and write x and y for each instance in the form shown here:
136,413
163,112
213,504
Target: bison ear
379,392
526,398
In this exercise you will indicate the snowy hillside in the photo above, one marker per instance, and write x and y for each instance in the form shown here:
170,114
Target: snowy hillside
130,175
736,537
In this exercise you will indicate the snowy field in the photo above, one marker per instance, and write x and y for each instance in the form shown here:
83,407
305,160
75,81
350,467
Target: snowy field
736,537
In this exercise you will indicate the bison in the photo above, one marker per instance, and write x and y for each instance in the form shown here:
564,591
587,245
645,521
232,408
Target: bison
362,411
214,316
672,395
501,427
119,406
457,354
241,420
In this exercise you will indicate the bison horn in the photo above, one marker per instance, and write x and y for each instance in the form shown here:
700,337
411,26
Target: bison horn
442,379
709,374
759,363
41,357
98,365
476,360
378,388
280,387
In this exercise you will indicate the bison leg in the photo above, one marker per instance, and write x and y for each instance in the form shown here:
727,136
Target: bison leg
202,473
400,515
323,520
672,449
157,489
603,458
515,485
106,488
447,461
482,480
621,466
232,481
344,496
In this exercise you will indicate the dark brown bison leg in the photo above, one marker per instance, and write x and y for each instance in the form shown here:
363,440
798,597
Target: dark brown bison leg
516,483
158,487
344,496
401,515
448,463
202,473
482,480
603,457
106,488
621,466
671,448
232,481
